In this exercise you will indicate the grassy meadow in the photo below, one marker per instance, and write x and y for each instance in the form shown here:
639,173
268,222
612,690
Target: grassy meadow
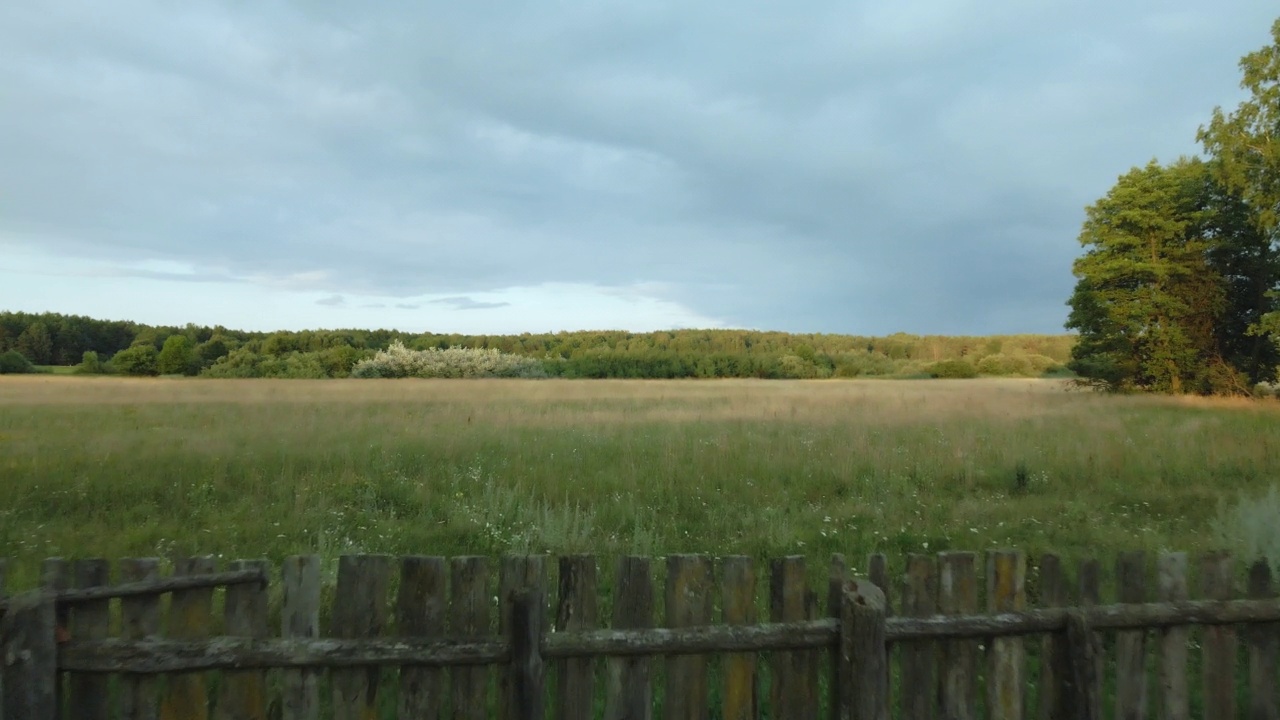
263,468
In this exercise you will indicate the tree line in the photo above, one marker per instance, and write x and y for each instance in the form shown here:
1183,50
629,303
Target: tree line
1178,289
128,348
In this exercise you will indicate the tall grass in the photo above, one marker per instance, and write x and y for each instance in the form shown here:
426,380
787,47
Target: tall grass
111,467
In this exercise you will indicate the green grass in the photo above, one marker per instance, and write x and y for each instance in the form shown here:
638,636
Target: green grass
111,467
56,369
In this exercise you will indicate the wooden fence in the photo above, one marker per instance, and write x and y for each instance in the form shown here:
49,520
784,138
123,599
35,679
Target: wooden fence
451,645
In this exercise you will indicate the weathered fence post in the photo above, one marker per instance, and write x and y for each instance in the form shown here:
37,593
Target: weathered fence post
242,695
190,618
420,613
29,657
958,595
837,576
689,602
919,658
1084,693
864,663
1055,662
1262,648
528,674
139,619
520,574
789,695
1218,641
576,609
1006,592
359,611
738,607
629,693
1171,584
1131,655
300,619
90,621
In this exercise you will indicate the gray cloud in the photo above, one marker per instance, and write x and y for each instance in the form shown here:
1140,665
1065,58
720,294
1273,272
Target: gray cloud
332,301
466,303
852,167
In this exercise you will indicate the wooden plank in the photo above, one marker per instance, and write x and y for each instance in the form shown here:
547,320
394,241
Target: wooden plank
1171,586
878,573
919,658
958,595
789,696
738,608
864,693
190,618
1085,688
1055,663
629,692
529,680
1262,644
139,619
519,574
1219,641
689,603
421,603
576,610
469,618
1131,650
1089,584
90,621
55,575
300,619
242,694
29,657
837,576
1006,675
359,611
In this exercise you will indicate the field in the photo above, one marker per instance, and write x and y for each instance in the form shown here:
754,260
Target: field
261,468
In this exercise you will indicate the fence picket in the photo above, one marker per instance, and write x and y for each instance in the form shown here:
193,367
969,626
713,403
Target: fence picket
958,595
878,574
629,693
788,692
90,621
689,602
300,619
518,574
1055,661
55,575
29,657
242,695
1262,648
469,618
1219,641
919,657
420,613
837,576
1006,592
139,619
1131,655
1171,574
738,607
1089,582
190,615
576,609
864,695
359,611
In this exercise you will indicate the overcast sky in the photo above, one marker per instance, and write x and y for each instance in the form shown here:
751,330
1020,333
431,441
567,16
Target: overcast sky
853,167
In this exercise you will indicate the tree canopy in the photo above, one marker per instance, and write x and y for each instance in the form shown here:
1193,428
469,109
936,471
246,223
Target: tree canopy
1177,288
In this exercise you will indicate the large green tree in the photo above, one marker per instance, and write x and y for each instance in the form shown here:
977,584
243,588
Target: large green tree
1147,301
1246,146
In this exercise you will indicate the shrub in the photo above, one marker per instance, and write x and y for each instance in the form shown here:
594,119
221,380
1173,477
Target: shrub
1248,528
90,364
15,363
952,370
398,361
137,360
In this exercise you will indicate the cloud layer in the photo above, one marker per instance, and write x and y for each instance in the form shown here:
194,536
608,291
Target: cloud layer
840,167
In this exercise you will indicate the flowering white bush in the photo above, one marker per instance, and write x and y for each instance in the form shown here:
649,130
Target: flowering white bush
399,361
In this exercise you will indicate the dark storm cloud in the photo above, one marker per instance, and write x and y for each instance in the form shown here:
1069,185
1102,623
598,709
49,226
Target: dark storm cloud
861,167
